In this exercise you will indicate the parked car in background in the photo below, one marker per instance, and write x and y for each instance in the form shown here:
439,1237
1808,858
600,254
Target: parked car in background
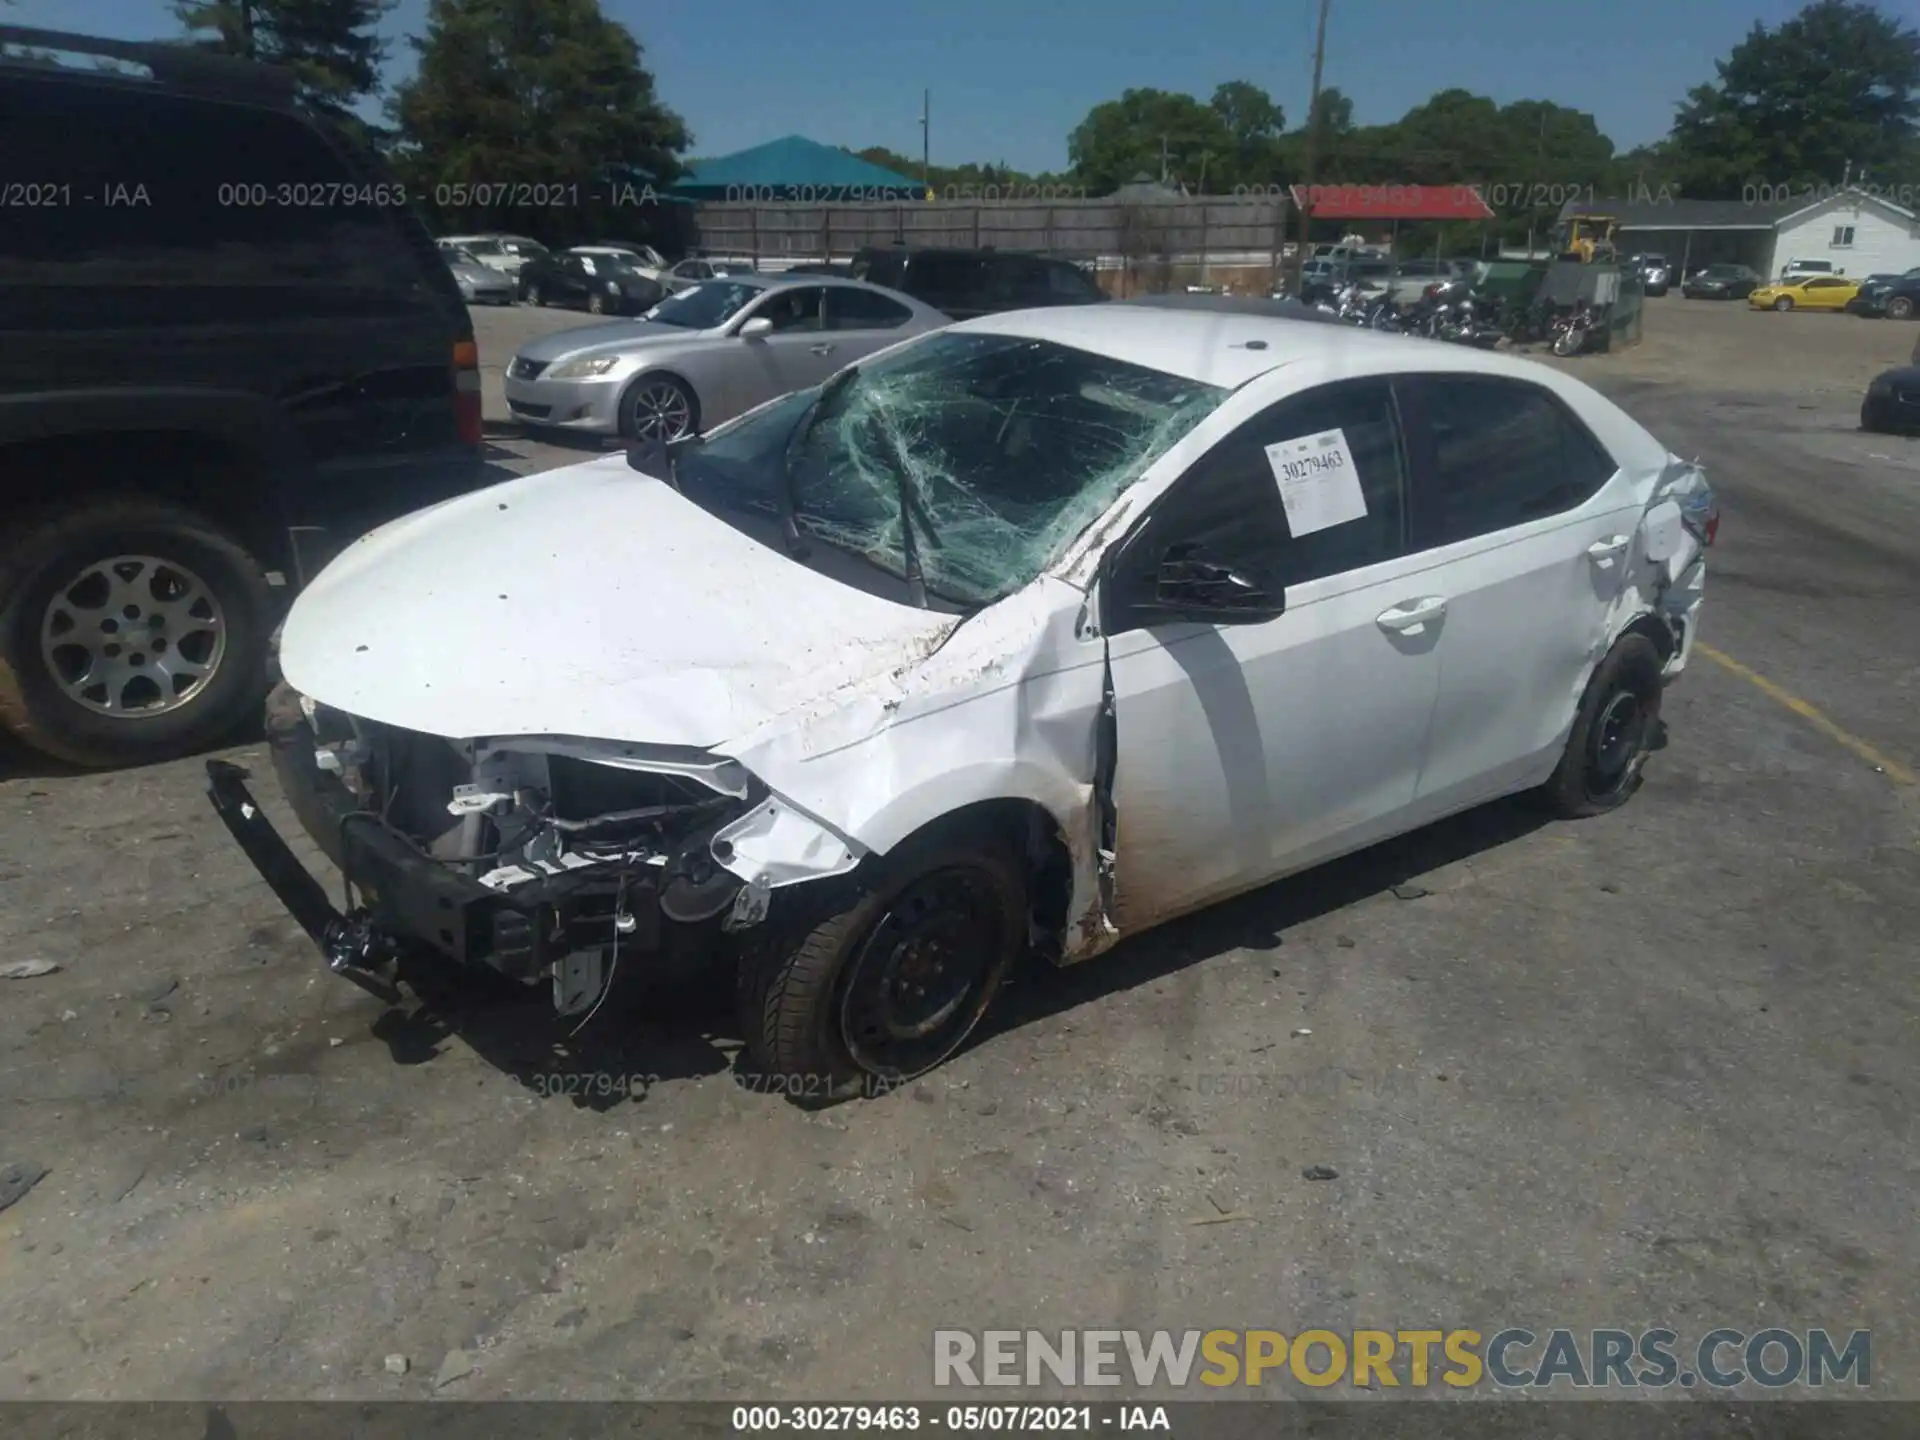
707,354
642,257
693,271
1655,274
1720,282
1021,639
177,453
1897,297
502,252
1321,279
1816,292
598,280
1408,280
479,284
1806,269
966,283
1892,402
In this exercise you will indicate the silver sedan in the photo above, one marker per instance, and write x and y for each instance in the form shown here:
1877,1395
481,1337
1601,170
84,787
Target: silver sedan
479,284
707,354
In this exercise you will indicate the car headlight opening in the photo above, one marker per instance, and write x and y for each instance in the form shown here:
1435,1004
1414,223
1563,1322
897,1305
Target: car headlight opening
583,369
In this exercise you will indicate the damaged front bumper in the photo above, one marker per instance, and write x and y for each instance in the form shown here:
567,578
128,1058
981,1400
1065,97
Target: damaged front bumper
495,856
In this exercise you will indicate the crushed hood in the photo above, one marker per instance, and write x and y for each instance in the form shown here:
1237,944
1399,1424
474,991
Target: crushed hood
615,337
589,600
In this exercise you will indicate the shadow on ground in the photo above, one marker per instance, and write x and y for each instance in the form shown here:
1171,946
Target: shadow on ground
684,1028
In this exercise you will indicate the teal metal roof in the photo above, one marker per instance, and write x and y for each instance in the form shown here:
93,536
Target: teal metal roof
793,164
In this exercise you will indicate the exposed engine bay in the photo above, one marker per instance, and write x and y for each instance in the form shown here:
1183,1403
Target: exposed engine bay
526,856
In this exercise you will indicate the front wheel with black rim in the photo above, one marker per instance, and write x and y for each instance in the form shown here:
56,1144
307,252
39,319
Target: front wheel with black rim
1613,733
658,407
886,978
130,632
1900,307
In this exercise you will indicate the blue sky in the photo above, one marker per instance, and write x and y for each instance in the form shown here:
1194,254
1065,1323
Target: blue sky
1010,78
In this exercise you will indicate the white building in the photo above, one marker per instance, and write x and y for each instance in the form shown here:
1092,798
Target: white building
1857,232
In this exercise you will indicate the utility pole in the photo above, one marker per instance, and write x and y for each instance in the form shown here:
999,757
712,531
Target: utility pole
1313,142
926,167
1163,159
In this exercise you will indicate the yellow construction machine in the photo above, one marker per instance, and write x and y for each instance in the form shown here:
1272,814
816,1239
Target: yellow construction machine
1588,238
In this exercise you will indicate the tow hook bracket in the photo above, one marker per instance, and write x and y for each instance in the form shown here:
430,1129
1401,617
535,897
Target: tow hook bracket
353,949
578,979
356,953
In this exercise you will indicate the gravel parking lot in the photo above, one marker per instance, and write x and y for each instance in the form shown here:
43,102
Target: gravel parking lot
1655,1068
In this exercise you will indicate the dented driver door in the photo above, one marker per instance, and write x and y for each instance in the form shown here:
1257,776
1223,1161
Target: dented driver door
1246,749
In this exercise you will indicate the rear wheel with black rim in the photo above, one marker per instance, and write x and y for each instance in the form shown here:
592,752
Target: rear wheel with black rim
596,304
886,978
130,632
1900,307
1613,733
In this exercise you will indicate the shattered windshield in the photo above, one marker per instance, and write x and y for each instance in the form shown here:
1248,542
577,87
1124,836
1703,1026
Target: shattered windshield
710,303
997,450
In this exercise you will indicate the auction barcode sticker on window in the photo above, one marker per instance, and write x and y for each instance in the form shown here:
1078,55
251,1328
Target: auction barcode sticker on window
1319,485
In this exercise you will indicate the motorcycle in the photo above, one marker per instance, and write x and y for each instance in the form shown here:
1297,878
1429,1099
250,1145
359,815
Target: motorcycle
1383,315
1530,324
1463,324
1352,304
1573,330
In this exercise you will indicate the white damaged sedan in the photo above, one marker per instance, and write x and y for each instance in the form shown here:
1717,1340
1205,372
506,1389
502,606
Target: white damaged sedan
1027,634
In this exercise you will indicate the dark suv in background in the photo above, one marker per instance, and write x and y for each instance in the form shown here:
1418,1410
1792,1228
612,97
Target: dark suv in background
227,347
1897,297
964,284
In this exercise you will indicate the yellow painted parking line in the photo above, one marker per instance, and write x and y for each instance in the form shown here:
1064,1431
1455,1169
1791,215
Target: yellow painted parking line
1893,769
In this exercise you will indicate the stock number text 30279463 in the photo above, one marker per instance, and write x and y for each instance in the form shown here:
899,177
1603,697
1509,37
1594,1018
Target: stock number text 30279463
874,1419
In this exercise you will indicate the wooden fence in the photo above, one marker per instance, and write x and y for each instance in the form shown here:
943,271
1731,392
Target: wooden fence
1176,232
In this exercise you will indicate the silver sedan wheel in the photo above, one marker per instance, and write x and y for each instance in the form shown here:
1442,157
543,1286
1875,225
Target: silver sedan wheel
133,636
661,411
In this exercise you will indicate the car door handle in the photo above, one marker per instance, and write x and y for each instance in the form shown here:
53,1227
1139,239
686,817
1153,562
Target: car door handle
1413,613
821,349
1610,547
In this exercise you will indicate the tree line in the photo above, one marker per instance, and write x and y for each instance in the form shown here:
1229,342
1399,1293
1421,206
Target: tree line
520,92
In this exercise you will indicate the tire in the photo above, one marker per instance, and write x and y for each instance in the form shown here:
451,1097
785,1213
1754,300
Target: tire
1900,307
596,304
810,1003
1612,734
1783,304
659,405
55,579
535,295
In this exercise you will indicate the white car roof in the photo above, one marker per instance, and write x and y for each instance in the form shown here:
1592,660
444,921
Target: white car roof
1213,347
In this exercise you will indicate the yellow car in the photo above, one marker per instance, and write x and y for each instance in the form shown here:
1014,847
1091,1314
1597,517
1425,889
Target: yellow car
1816,292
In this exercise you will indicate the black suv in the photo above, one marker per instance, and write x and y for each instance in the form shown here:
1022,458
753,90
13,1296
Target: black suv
227,346
963,284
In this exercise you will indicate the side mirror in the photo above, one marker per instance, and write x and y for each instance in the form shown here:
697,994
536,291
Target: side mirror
1189,584
656,457
756,327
